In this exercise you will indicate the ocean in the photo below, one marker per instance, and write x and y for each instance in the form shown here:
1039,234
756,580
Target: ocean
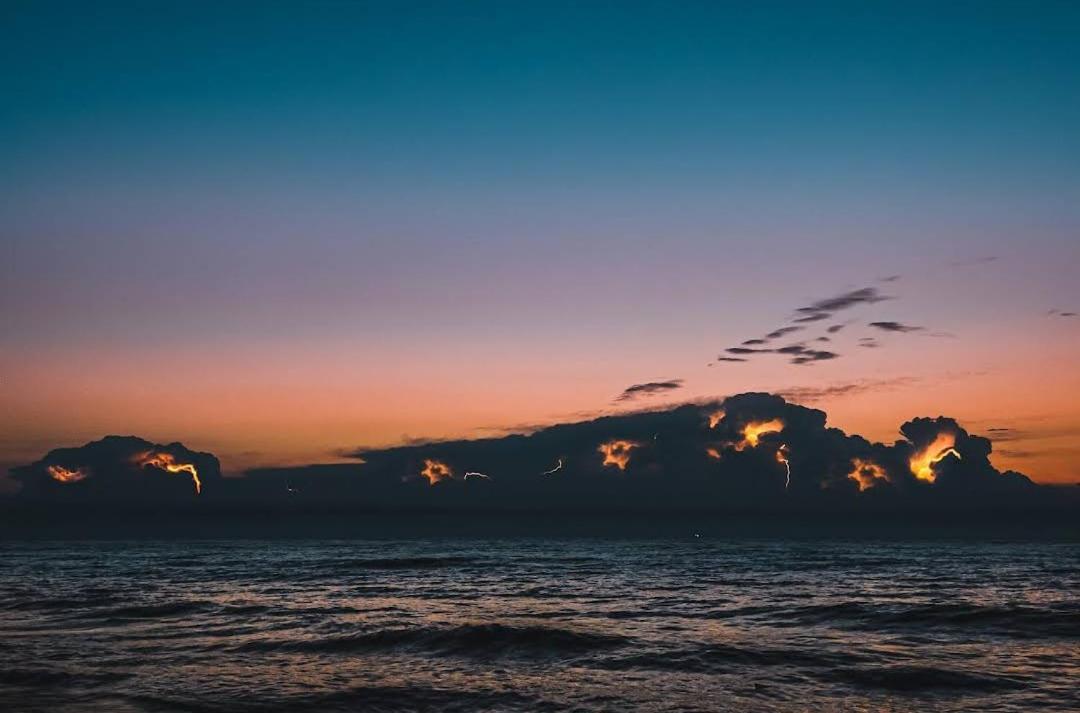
535,624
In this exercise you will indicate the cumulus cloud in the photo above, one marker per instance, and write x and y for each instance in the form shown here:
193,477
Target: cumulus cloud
121,468
749,449
650,388
745,449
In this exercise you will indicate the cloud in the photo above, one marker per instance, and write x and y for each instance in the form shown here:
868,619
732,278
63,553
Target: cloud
973,261
1059,313
816,317
813,394
868,343
687,455
732,359
895,327
650,388
819,311
1024,454
776,334
810,355
847,300
801,354
121,468
753,449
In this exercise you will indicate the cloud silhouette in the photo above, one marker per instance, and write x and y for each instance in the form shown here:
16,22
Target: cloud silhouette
777,333
801,354
753,449
749,448
815,317
833,329
811,355
971,262
650,388
847,300
121,468
895,327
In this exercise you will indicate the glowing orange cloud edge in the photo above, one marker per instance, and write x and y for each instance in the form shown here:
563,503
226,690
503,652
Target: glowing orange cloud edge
923,462
167,462
617,452
65,475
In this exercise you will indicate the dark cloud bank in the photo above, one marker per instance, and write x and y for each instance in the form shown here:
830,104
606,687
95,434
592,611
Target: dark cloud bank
722,456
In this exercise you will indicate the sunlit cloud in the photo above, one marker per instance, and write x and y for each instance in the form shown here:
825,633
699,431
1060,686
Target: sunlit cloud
923,462
753,431
867,473
617,452
167,462
66,475
436,471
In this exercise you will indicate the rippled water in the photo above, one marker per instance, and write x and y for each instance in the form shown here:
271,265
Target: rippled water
472,625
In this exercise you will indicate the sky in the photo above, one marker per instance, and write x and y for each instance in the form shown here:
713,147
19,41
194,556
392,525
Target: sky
284,231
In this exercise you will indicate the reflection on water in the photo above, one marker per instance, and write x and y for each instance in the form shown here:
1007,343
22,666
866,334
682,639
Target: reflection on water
538,625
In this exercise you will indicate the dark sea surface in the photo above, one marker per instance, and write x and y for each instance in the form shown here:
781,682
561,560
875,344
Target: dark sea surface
692,624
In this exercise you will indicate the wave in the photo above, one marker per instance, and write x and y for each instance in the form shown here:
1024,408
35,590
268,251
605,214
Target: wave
715,658
395,563
1018,621
915,679
472,640
46,604
37,678
155,611
373,699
